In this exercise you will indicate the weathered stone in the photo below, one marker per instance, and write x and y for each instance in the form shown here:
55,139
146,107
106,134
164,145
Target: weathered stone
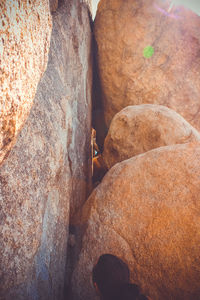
146,211
46,174
140,128
53,5
23,59
171,77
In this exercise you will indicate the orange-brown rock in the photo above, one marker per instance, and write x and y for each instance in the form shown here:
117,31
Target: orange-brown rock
25,30
140,128
146,211
170,77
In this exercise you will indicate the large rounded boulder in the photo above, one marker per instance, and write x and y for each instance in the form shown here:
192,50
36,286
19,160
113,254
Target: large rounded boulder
146,211
148,54
140,128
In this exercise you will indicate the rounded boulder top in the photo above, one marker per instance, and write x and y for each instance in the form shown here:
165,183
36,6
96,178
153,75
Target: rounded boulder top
139,128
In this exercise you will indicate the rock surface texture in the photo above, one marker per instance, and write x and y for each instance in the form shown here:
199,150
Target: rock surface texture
53,5
146,211
140,128
170,77
23,60
49,166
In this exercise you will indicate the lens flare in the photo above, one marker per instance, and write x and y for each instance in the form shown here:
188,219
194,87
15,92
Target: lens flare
148,51
167,12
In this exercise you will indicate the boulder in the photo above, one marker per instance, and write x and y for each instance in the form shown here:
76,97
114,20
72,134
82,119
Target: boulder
24,45
143,56
146,211
47,173
140,128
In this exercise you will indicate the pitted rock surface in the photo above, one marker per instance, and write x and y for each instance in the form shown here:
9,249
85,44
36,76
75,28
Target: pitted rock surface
146,211
170,77
140,128
23,60
47,173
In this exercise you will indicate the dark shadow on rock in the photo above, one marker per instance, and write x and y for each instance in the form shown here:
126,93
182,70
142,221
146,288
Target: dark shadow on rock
98,122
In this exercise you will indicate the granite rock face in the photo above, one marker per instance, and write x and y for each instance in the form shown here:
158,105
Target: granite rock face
23,60
146,211
140,128
53,5
47,173
130,74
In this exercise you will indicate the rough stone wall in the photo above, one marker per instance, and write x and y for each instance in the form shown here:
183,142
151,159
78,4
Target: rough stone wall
53,5
46,174
169,76
23,60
